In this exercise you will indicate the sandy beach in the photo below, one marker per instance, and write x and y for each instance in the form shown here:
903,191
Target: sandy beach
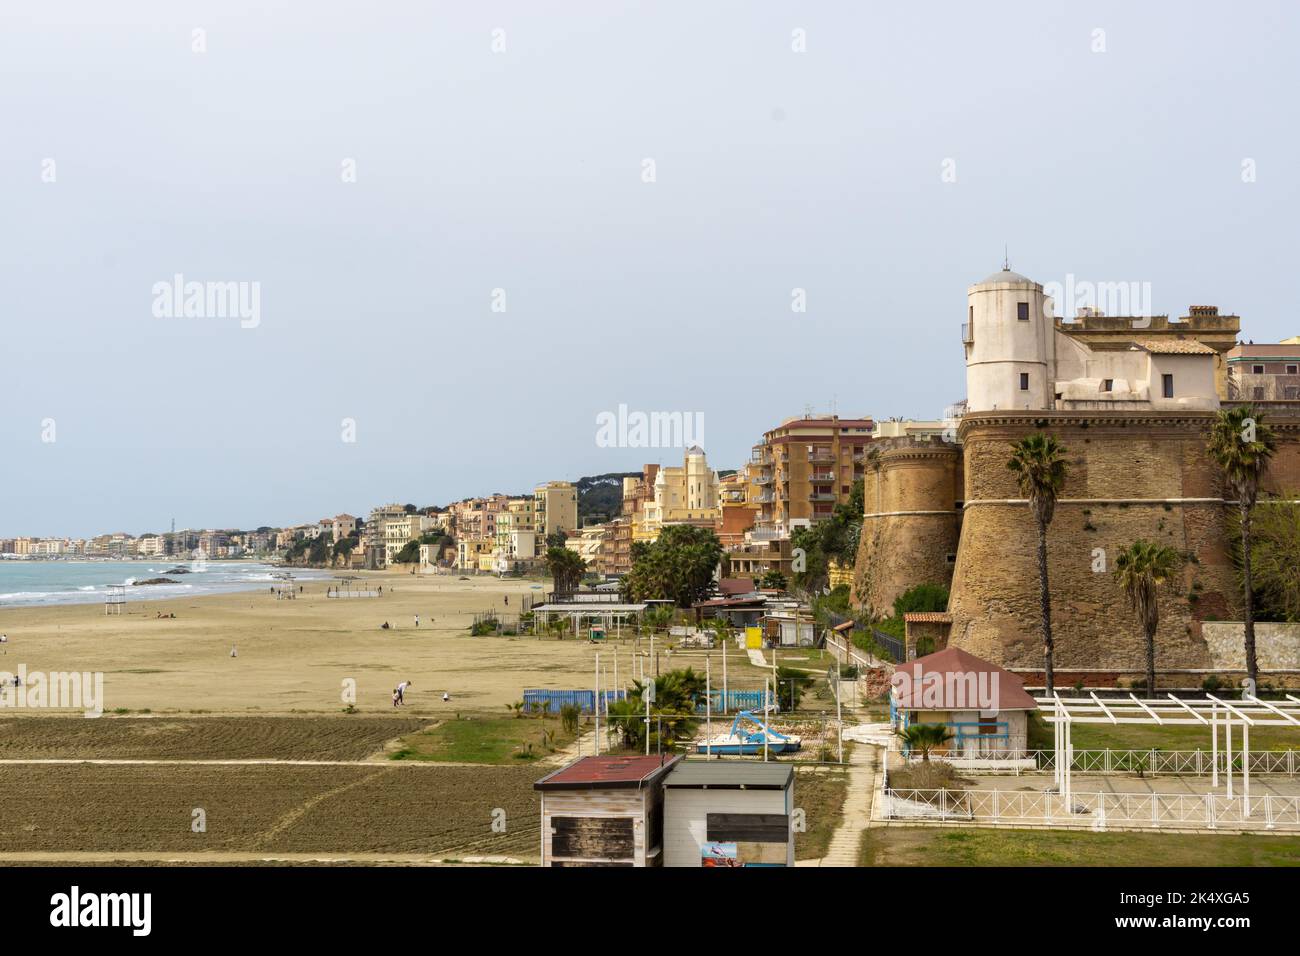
294,655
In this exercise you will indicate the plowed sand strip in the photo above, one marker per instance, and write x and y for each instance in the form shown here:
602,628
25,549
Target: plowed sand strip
298,812
233,858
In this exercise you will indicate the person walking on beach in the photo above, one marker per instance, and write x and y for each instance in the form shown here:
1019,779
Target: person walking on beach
417,620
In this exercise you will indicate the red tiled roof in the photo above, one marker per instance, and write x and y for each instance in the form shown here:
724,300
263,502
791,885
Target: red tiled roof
732,586
1174,347
593,773
928,617
1010,689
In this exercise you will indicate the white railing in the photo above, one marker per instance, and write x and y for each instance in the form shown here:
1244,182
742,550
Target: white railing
1197,763
1098,810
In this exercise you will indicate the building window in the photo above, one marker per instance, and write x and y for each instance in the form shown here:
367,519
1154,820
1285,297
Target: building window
1168,381
1292,392
1024,381
1022,311
1292,369
1257,370
1108,385
1259,393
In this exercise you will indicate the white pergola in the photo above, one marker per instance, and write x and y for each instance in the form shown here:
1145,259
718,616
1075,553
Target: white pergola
1064,712
608,612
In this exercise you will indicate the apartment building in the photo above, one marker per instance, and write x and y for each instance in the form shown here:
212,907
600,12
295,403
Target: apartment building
589,544
470,552
736,513
402,529
476,517
555,508
804,467
1265,373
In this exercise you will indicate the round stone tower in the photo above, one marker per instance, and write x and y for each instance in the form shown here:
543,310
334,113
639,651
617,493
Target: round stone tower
1010,341
912,519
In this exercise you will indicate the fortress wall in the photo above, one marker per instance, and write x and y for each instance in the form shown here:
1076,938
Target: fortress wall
910,525
1130,476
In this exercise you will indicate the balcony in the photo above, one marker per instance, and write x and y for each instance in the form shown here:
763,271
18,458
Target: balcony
823,496
821,456
765,497
823,476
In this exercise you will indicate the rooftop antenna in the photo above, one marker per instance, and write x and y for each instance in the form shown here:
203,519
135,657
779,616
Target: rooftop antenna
1006,259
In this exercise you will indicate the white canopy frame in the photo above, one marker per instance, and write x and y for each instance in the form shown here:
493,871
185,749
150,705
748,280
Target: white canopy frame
1064,712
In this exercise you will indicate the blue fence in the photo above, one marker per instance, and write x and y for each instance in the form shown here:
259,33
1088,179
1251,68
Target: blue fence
585,699
736,700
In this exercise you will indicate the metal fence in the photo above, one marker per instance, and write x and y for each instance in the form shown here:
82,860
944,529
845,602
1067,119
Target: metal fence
1184,763
1099,811
585,700
736,700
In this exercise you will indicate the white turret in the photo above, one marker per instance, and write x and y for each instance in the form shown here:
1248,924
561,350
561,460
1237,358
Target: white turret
1010,340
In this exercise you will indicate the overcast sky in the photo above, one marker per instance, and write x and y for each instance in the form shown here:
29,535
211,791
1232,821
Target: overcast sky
523,169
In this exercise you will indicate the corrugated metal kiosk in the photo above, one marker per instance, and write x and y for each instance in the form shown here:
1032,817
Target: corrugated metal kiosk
728,813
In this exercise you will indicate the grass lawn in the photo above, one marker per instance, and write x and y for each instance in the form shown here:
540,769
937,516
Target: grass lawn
1176,737
932,846
821,797
486,740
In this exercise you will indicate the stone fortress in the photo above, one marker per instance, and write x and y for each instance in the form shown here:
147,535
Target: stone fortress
1131,398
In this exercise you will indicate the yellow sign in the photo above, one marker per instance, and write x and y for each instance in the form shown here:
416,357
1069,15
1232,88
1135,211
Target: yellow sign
754,637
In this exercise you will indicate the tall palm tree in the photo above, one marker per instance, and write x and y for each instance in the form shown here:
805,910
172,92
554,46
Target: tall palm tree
1039,463
1140,569
1241,445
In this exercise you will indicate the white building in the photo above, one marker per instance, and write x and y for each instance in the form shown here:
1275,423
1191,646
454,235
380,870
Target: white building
1017,358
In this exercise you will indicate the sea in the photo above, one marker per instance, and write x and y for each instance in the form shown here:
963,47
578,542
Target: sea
28,583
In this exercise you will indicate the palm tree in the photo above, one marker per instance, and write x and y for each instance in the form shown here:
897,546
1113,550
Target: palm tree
1140,570
566,568
1039,463
1241,445
926,737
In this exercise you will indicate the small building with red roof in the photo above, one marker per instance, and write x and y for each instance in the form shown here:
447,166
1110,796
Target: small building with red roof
985,707
605,810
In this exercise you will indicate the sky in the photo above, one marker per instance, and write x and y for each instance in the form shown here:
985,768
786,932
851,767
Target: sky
473,227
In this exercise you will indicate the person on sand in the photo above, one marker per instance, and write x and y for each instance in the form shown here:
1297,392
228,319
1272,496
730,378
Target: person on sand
401,691
384,626
445,697
417,620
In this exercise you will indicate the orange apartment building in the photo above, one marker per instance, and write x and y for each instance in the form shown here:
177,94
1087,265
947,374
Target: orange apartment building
805,467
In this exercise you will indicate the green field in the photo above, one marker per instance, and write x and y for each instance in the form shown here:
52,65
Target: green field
1176,737
934,846
485,740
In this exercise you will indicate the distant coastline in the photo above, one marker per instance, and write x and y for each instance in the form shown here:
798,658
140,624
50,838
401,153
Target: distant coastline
86,581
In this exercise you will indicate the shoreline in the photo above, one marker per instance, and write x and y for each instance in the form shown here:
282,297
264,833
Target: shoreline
300,656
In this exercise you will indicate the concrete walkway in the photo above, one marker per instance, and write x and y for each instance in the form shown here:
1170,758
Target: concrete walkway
856,815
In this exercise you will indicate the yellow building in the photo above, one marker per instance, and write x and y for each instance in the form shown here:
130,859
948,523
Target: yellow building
469,551
685,495
555,508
